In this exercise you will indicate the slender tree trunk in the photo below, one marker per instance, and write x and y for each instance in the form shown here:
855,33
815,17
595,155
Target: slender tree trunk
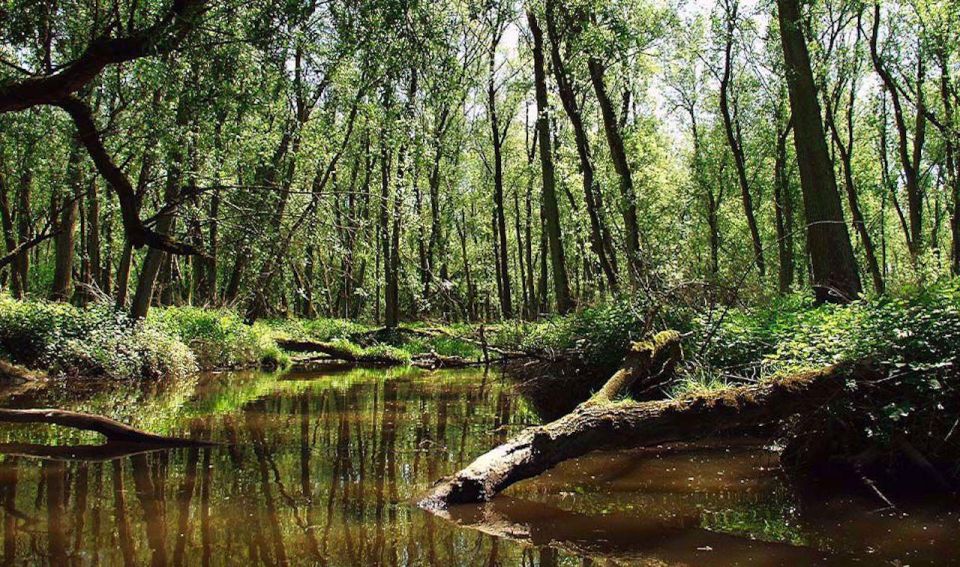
910,157
154,259
598,236
123,274
21,265
618,155
833,264
65,241
93,236
549,209
500,223
783,207
9,236
845,150
384,229
731,128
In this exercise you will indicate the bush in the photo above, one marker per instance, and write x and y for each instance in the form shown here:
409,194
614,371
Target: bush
219,338
601,333
912,337
94,341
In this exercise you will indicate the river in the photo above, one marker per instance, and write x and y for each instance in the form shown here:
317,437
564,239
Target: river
323,469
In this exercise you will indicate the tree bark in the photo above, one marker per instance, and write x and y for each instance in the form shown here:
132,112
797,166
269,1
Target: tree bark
594,426
783,208
499,215
910,157
618,155
65,240
845,150
834,267
731,128
550,209
599,237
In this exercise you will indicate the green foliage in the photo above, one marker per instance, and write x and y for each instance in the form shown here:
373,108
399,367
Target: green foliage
914,328
320,329
219,338
95,341
601,333
99,341
912,338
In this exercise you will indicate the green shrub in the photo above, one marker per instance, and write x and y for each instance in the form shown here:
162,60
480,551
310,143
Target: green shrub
219,337
94,341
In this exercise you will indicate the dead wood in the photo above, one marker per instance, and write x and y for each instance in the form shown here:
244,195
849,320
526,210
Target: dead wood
111,429
599,424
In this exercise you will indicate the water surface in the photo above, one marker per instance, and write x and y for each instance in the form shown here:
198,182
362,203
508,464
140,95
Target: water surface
322,469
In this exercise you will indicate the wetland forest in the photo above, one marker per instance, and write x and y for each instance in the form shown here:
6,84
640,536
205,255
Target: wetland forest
479,282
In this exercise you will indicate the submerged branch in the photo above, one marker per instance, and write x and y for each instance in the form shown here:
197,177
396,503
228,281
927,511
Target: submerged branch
111,429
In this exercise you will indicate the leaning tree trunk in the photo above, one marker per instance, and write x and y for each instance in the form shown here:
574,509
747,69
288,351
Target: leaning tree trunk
597,424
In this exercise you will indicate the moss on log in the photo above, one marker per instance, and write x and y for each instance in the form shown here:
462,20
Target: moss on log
598,424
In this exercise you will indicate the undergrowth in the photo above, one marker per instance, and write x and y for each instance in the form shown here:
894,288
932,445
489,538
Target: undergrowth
100,341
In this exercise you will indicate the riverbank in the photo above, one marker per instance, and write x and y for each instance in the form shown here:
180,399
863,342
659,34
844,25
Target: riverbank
912,337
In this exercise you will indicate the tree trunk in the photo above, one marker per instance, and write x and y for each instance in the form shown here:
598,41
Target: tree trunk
500,223
783,208
618,155
599,237
9,235
845,150
731,128
833,264
154,259
94,262
910,157
599,425
64,243
550,209
21,265
123,274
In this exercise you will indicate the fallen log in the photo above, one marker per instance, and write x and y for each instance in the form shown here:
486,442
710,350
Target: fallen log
109,451
111,429
646,368
599,424
336,352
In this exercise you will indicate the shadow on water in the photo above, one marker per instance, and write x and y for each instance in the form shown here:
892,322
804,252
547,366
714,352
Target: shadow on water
321,470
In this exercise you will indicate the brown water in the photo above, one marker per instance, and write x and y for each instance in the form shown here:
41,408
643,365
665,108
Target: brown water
321,470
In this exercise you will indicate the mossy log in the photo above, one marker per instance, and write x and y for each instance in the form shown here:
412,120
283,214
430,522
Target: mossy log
600,424
111,429
336,352
647,366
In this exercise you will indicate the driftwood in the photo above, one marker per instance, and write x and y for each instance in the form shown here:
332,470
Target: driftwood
111,429
600,424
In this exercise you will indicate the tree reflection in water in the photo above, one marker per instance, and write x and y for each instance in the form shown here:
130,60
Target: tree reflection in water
321,471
